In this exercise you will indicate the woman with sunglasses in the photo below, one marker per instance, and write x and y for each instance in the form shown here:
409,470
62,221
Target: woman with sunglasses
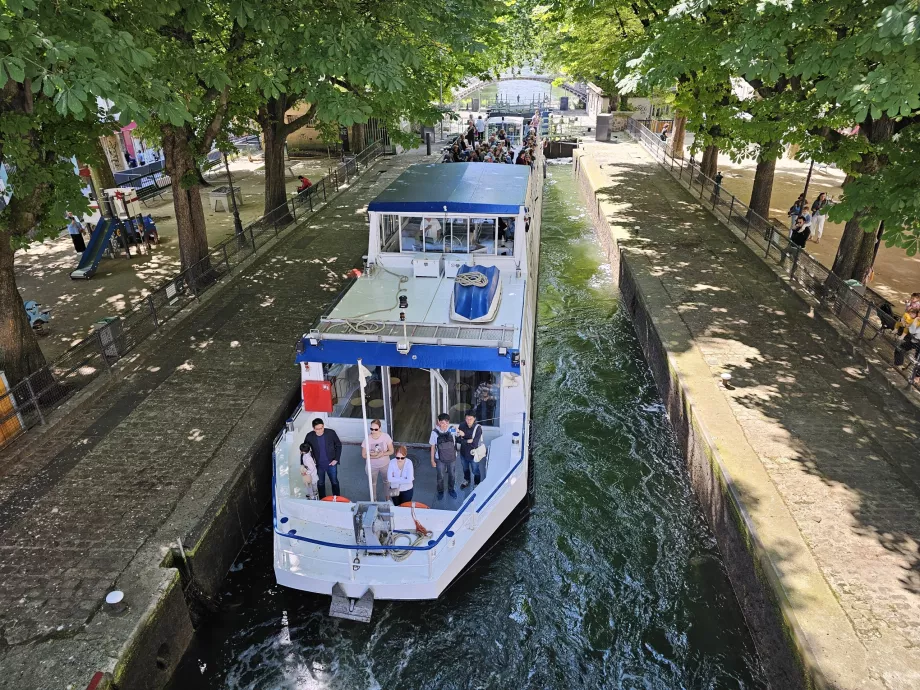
381,450
401,475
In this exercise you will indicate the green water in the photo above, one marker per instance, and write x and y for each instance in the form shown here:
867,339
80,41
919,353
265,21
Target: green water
614,582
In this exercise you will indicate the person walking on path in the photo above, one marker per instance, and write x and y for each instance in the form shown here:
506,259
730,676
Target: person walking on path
326,448
381,450
798,238
76,229
818,216
444,455
401,476
470,436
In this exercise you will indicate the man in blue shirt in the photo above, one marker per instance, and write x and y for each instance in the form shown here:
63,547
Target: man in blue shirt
326,448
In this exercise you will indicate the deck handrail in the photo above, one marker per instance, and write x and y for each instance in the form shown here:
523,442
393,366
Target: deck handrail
512,470
447,532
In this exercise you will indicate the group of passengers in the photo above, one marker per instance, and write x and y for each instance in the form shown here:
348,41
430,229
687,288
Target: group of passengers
475,148
321,452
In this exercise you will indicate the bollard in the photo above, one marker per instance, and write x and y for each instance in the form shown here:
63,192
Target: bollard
427,143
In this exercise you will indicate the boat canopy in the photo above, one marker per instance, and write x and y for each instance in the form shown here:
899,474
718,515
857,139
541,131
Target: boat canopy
489,189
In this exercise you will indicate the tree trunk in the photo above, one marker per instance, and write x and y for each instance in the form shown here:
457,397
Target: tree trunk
357,137
762,191
677,140
20,354
276,208
274,135
710,163
855,252
192,230
100,169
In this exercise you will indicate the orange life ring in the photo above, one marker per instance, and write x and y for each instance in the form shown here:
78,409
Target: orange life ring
409,504
336,499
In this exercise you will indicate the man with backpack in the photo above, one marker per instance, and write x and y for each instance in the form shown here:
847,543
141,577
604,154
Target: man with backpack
471,449
444,455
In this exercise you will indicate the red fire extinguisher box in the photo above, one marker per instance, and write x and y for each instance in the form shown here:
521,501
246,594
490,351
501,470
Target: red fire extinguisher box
317,396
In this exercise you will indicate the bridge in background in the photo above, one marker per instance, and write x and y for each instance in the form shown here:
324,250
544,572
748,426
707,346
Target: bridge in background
470,87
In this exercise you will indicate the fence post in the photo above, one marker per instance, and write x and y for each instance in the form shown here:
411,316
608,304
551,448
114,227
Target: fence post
865,320
294,207
38,406
252,238
310,199
324,190
730,209
226,258
680,174
795,263
153,308
769,244
98,335
748,228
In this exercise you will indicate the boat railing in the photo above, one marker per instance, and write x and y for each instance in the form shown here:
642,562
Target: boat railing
511,471
447,532
420,333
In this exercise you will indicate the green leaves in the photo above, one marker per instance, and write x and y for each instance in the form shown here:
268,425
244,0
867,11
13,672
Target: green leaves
12,68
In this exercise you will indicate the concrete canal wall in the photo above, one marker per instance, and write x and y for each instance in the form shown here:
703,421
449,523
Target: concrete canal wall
776,481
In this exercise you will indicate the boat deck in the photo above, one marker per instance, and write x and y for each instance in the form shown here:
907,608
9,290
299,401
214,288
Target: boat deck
374,300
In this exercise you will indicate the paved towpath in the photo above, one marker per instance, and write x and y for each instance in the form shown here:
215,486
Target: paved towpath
826,462
102,495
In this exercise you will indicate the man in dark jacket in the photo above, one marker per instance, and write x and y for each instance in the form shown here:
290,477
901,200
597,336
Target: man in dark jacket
326,448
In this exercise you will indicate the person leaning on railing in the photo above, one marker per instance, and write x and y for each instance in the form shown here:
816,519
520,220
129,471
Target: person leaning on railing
911,338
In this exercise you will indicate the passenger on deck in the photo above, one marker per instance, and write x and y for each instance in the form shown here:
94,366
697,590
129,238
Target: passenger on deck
470,436
326,448
381,450
401,475
444,455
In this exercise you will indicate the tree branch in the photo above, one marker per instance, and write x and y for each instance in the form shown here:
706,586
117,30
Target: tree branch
213,129
299,121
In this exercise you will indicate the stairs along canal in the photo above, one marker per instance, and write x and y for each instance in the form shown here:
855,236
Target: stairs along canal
615,581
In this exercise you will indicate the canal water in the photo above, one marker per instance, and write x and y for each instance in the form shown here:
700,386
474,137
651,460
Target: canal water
614,582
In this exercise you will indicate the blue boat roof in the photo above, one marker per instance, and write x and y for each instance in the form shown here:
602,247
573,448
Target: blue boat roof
487,188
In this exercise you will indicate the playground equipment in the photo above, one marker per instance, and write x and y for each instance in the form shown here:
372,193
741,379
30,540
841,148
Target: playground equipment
123,227
38,317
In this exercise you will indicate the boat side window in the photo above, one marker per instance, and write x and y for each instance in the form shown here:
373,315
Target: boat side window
389,233
410,231
456,235
482,235
346,390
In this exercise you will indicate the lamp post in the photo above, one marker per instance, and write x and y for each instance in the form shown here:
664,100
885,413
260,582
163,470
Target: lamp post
237,223
808,179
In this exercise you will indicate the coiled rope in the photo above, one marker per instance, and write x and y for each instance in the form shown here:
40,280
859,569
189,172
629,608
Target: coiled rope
472,279
420,529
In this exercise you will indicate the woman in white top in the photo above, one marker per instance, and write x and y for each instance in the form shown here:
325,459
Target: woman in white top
381,450
401,475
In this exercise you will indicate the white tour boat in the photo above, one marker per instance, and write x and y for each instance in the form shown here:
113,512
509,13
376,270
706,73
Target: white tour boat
409,339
